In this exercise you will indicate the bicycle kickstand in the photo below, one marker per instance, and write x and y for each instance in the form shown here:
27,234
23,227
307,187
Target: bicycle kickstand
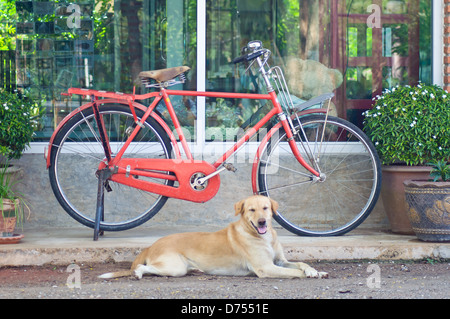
102,176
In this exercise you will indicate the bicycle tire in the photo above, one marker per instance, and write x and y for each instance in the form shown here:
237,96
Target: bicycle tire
75,157
339,203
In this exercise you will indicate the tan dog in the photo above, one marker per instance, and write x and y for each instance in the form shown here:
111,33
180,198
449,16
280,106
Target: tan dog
247,246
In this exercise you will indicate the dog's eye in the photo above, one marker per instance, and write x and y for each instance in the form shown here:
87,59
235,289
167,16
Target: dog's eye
266,208
252,210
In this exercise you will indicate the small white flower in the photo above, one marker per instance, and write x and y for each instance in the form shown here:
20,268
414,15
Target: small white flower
440,148
444,96
432,95
414,99
434,136
376,143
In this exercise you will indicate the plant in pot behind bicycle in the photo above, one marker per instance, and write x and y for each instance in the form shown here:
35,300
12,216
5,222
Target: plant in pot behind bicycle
428,204
19,118
12,207
409,128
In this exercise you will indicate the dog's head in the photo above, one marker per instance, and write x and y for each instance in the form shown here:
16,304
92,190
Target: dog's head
257,211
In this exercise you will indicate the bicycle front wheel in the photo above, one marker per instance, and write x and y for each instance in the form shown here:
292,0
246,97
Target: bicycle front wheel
75,158
348,190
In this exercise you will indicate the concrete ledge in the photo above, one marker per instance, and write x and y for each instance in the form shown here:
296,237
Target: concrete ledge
75,245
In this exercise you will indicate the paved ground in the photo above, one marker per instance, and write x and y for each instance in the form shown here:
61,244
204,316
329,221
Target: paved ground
64,264
347,280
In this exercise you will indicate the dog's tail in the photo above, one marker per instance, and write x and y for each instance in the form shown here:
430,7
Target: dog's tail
117,274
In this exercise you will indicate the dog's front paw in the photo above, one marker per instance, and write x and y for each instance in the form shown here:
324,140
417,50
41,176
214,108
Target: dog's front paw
323,274
312,273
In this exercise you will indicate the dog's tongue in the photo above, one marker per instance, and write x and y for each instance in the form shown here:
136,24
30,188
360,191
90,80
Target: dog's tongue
262,230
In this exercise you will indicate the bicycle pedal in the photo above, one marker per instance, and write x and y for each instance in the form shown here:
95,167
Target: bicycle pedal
230,167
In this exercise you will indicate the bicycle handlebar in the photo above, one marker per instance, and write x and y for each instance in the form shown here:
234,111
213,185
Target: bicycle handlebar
250,56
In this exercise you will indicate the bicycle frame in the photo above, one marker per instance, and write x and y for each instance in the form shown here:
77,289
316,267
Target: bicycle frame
124,171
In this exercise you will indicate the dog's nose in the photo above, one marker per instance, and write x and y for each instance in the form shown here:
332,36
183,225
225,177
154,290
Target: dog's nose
262,222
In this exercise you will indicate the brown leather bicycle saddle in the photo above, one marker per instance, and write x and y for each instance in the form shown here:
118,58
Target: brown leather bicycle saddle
164,74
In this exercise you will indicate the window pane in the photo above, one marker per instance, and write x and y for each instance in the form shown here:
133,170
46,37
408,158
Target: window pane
104,45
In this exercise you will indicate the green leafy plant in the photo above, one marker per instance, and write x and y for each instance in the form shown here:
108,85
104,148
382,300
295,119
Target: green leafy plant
7,192
410,125
440,171
19,118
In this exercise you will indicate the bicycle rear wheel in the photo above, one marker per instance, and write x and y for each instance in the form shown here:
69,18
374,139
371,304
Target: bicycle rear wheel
336,204
75,157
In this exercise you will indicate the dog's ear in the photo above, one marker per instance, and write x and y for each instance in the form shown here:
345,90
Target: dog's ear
274,206
239,207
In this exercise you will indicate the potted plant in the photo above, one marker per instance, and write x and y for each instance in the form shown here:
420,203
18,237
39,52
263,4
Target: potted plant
409,126
12,207
428,204
19,118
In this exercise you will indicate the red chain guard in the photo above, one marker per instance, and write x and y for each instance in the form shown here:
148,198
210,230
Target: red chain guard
129,169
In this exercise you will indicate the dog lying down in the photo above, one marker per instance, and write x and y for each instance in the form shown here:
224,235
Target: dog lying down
246,247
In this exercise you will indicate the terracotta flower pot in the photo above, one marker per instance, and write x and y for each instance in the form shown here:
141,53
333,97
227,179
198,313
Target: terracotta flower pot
428,208
393,194
8,218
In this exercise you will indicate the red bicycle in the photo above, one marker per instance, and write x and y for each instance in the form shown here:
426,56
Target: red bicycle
323,170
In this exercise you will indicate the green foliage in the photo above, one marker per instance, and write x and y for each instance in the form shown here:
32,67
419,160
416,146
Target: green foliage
410,125
7,25
19,117
7,185
440,171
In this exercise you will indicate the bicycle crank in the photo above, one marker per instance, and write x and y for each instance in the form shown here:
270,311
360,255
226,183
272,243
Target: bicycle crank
198,182
191,180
